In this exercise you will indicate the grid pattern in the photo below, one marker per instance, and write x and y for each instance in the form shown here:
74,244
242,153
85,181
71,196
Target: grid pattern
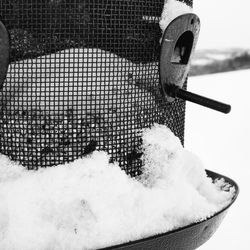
83,76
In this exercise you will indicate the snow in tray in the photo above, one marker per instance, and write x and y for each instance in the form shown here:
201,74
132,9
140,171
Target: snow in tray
91,203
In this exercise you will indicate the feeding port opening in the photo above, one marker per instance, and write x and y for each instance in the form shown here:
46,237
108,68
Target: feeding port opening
183,48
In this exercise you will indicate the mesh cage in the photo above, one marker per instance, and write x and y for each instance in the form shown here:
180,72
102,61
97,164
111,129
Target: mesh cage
83,75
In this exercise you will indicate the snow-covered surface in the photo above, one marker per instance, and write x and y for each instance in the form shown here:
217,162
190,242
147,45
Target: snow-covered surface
91,203
218,56
209,57
222,142
50,79
202,61
171,10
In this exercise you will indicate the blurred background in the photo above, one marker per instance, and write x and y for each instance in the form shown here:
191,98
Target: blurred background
224,41
221,70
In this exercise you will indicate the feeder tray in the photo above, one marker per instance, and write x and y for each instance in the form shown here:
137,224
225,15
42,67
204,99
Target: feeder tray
186,238
87,75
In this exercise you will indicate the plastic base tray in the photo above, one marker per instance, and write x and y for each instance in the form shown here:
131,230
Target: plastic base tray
185,238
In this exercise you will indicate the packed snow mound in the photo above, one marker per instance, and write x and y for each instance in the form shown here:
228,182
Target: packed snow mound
171,10
55,105
73,79
91,203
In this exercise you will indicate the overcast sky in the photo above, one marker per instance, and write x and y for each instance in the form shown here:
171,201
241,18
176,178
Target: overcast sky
224,23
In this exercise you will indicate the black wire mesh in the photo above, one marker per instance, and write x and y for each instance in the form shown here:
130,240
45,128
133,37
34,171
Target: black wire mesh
83,76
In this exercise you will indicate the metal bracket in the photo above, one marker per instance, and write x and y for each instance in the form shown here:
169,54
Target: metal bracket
178,44
4,53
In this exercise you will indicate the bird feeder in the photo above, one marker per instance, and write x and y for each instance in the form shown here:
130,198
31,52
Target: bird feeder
78,76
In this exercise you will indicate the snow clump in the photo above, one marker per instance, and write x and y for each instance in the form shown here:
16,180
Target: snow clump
91,203
171,10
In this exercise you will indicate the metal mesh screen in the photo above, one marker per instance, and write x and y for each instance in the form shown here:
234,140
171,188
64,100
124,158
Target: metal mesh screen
83,75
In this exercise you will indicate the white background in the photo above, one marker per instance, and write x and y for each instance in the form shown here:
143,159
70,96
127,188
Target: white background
224,23
222,142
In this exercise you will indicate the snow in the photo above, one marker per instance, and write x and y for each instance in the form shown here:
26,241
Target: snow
222,142
218,57
210,57
202,61
84,204
50,78
52,101
171,10
91,203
